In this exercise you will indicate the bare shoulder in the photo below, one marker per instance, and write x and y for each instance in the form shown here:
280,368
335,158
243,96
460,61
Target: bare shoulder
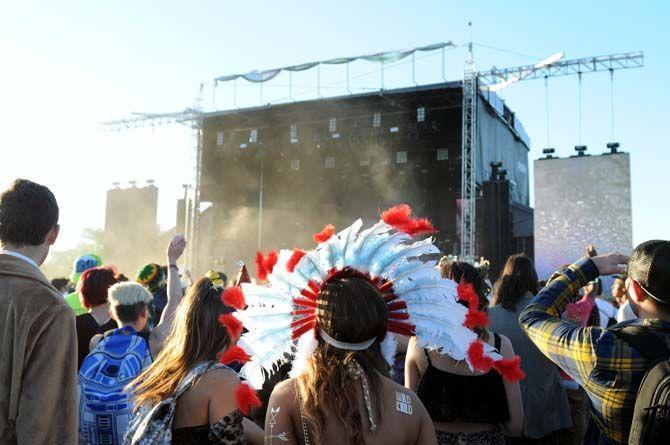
284,391
401,393
221,380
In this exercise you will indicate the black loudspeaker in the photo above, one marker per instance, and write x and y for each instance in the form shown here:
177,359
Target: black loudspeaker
497,241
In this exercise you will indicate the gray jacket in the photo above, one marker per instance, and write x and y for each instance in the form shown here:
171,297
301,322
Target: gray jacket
545,403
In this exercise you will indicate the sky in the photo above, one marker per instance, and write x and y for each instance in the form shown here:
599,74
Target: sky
67,66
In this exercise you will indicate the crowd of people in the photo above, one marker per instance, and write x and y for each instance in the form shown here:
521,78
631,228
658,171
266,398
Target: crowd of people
361,340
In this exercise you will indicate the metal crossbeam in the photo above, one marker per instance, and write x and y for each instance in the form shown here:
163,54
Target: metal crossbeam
139,120
564,68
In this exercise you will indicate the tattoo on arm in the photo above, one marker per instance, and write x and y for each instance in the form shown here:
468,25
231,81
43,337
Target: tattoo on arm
283,436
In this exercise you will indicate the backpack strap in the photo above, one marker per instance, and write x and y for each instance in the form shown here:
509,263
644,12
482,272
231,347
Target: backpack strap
647,343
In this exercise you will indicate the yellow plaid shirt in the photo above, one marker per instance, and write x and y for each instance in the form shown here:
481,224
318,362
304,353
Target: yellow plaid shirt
609,369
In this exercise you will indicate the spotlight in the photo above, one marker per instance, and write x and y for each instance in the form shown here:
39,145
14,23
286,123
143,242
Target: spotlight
401,157
502,175
549,152
614,147
332,125
219,138
442,154
581,150
495,169
253,136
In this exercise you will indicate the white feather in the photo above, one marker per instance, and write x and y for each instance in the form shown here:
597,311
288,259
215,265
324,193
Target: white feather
307,344
389,347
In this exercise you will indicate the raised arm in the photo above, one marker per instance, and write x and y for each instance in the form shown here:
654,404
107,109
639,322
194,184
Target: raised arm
174,292
570,346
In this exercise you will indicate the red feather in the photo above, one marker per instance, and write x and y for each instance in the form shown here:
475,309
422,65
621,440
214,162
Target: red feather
477,358
270,261
399,218
418,226
232,325
475,319
264,266
325,234
295,259
246,398
233,297
510,369
466,292
261,271
235,354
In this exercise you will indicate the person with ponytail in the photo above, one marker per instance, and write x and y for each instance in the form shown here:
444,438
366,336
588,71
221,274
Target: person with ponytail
467,406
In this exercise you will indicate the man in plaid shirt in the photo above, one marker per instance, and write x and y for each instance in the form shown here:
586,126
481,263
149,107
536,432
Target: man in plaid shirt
609,369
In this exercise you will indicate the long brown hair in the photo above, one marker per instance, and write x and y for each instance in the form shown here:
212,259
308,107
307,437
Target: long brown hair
350,310
196,336
517,278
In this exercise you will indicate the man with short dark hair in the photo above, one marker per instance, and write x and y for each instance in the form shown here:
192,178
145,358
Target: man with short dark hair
38,361
608,368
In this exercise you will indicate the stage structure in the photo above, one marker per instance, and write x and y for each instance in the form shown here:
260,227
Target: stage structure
476,90
276,174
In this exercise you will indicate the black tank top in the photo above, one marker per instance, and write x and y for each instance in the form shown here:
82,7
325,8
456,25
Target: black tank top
452,397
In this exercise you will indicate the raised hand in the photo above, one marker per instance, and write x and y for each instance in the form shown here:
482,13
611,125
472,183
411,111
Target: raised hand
613,263
176,248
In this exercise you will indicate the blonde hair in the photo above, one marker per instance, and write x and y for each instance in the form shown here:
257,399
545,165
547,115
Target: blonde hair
196,336
128,294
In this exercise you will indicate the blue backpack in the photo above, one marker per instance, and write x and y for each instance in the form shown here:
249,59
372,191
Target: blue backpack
105,407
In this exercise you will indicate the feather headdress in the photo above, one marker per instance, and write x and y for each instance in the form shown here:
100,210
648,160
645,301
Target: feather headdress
280,315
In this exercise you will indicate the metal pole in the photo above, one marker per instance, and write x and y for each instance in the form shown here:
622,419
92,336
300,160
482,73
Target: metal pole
444,78
290,85
382,75
579,76
612,100
414,69
348,89
546,105
260,208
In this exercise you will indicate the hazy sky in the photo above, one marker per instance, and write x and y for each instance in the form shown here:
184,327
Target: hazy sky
67,66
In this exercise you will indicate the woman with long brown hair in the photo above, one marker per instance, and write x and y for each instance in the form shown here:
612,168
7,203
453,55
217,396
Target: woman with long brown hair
186,395
545,401
468,406
345,394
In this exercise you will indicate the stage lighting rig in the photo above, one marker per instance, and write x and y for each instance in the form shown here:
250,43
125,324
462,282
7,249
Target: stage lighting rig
548,152
614,147
581,150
